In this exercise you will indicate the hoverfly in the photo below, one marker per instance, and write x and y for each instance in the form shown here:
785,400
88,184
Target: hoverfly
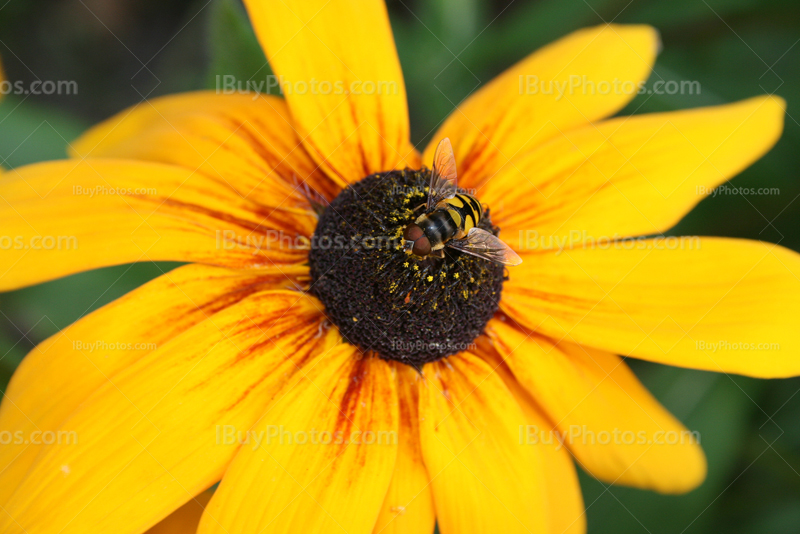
451,218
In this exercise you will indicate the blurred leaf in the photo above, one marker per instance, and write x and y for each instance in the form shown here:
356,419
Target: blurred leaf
181,64
450,48
437,79
233,47
11,352
454,23
678,12
734,67
31,133
764,498
654,101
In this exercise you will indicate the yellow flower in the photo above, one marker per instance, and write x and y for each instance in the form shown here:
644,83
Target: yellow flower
227,369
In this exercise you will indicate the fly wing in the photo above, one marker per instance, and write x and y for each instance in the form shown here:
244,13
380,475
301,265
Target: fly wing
485,245
444,182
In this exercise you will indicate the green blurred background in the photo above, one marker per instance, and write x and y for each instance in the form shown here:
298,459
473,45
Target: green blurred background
122,51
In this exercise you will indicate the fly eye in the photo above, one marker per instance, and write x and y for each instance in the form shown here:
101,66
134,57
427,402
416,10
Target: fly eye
422,246
413,232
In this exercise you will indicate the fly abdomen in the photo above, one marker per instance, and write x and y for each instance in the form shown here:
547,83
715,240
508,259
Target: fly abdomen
466,211
439,227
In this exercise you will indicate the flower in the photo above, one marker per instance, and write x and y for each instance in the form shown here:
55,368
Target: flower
228,370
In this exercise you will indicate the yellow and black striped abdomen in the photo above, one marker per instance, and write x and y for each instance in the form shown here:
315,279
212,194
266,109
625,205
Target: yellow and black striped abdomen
466,212
451,219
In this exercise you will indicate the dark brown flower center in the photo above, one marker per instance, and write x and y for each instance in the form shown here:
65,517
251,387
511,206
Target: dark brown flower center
382,299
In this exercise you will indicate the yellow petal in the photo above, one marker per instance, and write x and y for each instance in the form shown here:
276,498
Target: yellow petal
322,456
185,519
564,501
244,142
68,216
483,479
408,506
81,358
628,176
707,303
156,433
512,114
617,431
339,71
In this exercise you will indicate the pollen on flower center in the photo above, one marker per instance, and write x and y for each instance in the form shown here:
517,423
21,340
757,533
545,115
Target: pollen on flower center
386,300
